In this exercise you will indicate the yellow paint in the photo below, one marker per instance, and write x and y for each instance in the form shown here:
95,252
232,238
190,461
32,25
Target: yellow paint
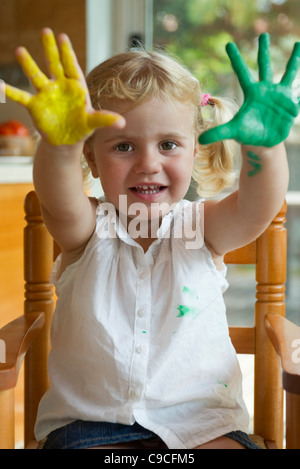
59,110
69,60
38,79
19,96
52,53
59,107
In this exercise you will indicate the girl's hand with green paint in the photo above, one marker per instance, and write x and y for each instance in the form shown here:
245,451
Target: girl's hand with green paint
269,109
61,109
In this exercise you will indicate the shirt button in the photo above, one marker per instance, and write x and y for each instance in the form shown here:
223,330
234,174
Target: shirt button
139,349
143,275
141,313
134,394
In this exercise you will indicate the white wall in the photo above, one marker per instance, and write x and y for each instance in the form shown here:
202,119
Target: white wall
110,23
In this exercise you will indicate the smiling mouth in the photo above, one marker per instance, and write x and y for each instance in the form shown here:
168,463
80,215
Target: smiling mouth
148,189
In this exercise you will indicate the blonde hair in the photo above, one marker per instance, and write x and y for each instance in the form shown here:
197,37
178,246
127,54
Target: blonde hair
139,76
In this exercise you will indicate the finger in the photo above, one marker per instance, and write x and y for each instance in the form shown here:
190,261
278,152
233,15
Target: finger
264,60
292,66
69,59
19,96
105,119
216,134
30,68
239,66
52,53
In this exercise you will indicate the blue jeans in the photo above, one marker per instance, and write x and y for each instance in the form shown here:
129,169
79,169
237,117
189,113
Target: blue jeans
81,434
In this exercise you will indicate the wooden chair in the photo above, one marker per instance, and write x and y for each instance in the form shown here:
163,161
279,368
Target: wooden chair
30,333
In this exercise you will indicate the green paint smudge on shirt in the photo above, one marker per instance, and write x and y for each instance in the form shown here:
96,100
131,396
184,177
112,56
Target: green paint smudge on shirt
185,310
189,310
220,382
190,292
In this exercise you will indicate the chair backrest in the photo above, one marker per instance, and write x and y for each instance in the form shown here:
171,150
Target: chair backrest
39,297
267,253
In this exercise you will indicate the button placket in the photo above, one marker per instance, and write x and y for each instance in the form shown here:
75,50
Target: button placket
141,332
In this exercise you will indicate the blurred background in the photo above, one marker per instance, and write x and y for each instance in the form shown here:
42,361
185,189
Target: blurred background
196,31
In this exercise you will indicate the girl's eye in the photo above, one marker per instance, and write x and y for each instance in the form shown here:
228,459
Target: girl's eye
124,147
167,146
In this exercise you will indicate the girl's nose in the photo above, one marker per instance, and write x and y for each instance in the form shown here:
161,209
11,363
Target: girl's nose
148,162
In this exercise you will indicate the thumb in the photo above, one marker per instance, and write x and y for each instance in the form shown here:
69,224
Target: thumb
105,119
216,134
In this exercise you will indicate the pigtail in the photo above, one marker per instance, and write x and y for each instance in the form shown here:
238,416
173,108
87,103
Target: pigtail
214,167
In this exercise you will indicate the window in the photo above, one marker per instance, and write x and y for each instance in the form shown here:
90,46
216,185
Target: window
196,31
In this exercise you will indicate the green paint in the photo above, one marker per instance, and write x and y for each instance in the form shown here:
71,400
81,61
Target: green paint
189,310
185,310
190,292
220,382
144,332
269,110
255,161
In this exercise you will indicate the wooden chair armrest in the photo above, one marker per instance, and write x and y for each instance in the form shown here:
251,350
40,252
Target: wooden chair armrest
285,337
16,337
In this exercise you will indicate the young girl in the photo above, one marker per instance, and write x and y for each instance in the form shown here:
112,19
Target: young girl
141,355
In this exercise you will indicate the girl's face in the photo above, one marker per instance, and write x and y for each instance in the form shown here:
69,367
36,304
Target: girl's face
150,160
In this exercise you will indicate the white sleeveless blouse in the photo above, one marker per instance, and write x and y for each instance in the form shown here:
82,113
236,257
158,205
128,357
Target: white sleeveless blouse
144,337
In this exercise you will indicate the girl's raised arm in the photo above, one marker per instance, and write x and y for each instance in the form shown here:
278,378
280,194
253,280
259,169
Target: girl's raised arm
63,115
261,125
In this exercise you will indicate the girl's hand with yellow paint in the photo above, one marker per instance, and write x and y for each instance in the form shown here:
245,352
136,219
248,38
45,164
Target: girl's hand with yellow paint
61,109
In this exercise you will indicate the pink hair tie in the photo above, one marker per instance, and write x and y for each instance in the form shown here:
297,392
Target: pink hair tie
205,99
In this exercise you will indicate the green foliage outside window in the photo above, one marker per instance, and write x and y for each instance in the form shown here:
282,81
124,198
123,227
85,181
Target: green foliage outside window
196,31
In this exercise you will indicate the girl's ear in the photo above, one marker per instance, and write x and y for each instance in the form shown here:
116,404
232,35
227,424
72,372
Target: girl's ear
88,152
196,149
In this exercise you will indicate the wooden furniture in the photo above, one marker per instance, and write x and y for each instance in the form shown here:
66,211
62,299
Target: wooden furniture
11,263
268,253
11,250
21,22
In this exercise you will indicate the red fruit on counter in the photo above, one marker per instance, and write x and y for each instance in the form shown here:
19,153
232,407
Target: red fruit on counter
14,128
